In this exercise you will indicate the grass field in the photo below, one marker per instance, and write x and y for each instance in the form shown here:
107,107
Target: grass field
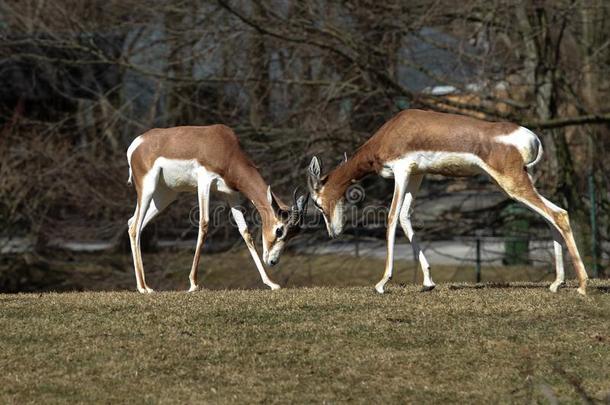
460,343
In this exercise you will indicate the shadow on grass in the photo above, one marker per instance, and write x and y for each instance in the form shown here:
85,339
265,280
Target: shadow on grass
604,289
496,285
598,289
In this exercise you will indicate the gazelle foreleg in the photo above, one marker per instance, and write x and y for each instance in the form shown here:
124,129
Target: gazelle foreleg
243,230
405,221
401,177
204,182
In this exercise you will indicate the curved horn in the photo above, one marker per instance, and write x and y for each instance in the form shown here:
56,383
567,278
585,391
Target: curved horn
294,210
302,204
297,210
294,194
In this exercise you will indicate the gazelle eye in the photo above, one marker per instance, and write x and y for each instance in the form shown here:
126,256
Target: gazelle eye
279,232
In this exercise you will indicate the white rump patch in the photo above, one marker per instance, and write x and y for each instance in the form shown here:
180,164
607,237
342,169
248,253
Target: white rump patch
526,142
132,147
134,144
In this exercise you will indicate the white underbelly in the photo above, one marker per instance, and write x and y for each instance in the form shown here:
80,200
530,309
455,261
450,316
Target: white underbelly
445,163
179,175
185,175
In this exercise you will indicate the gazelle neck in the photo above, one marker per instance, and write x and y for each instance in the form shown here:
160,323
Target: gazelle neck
251,184
362,163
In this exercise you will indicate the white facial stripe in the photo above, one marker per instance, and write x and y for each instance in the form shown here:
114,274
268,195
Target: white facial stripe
275,251
333,220
265,250
272,252
337,217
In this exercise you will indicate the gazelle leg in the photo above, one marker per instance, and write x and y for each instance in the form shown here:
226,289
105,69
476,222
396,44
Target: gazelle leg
401,177
131,230
161,198
564,230
560,273
135,229
519,186
203,193
243,230
405,221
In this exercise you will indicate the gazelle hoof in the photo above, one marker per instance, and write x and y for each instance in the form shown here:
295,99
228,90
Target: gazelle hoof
555,286
428,287
380,288
145,290
273,286
194,288
582,290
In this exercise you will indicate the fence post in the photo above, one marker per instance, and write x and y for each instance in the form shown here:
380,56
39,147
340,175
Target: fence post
593,224
416,261
357,244
478,265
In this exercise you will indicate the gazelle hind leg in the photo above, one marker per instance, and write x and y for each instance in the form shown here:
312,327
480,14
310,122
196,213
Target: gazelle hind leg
520,188
405,222
203,192
564,230
161,198
243,230
131,230
559,271
134,239
401,176
135,229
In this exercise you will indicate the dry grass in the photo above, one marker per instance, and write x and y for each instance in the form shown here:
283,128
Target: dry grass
459,343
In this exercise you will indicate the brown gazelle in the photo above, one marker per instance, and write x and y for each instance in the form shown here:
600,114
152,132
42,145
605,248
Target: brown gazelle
416,142
165,162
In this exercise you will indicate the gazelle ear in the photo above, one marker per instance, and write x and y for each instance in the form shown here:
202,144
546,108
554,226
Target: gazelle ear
274,204
315,168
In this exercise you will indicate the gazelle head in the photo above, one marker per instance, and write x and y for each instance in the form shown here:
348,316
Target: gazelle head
328,201
283,225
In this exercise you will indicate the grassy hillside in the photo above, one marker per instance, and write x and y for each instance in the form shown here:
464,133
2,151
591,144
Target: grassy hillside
459,343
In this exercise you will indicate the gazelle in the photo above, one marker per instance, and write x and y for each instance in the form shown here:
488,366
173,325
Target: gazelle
416,142
165,162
